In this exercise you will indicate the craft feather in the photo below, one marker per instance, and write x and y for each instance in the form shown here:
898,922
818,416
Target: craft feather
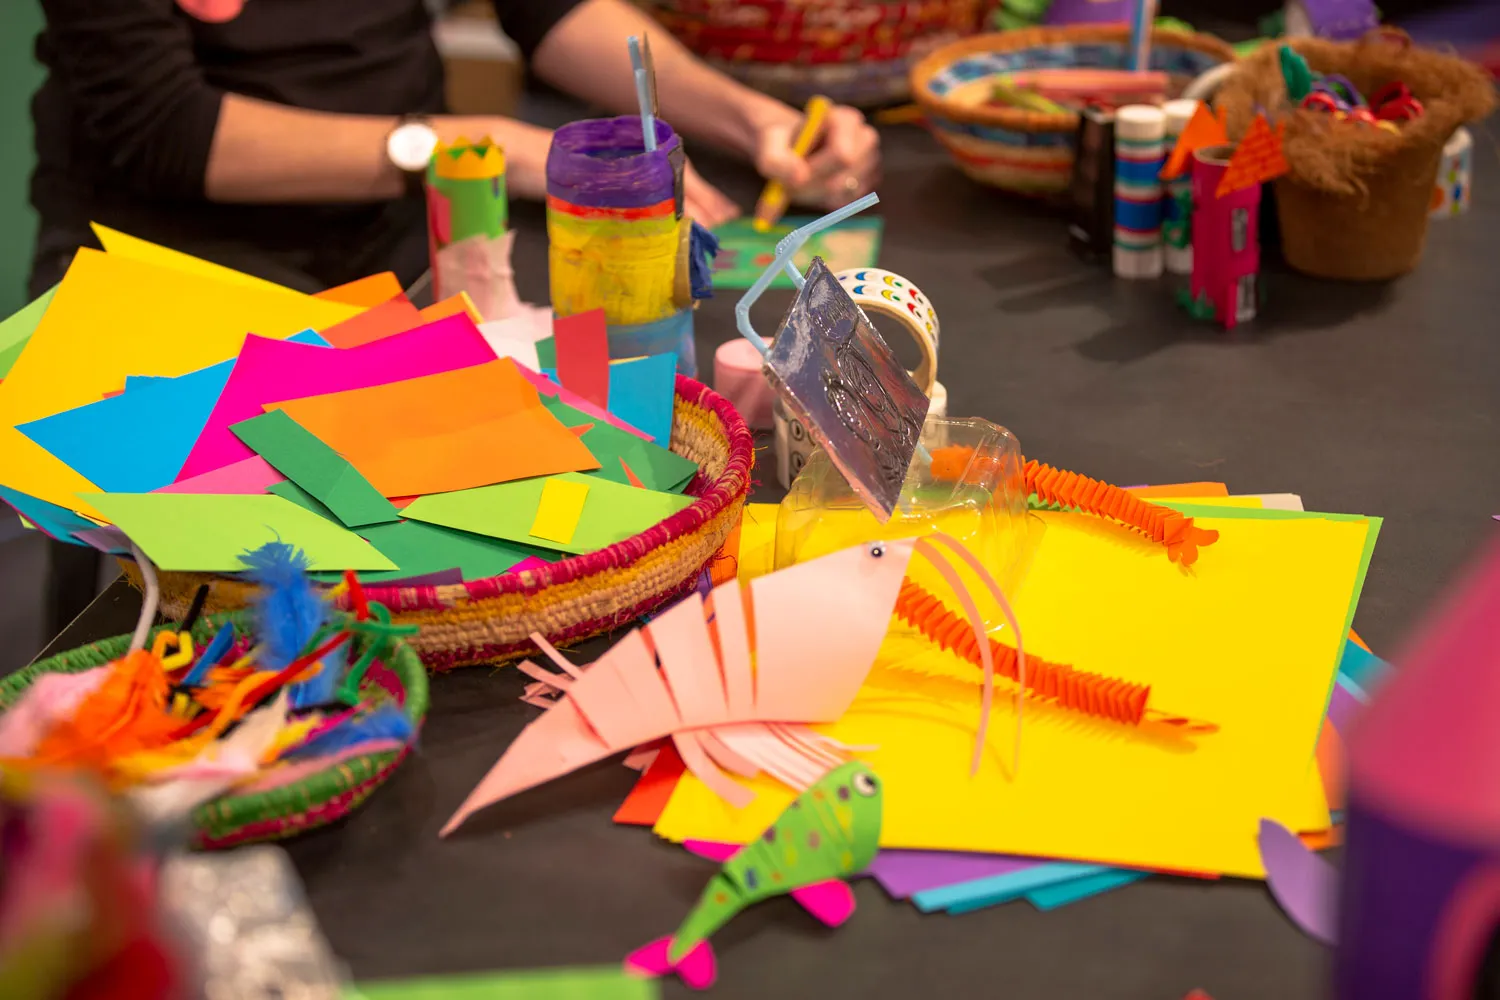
704,248
210,656
288,613
387,722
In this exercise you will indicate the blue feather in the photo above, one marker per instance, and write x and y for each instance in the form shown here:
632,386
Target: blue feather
385,723
211,655
288,613
704,247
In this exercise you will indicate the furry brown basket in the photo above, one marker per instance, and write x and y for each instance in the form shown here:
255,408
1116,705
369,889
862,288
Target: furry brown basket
1355,205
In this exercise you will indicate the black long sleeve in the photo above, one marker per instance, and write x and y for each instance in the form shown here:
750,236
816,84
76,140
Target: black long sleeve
138,100
527,22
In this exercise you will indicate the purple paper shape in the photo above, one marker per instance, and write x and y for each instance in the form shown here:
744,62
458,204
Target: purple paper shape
1341,20
1344,706
273,371
903,874
1304,884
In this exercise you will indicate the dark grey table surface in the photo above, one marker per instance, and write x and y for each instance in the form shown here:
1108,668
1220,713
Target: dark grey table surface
1373,399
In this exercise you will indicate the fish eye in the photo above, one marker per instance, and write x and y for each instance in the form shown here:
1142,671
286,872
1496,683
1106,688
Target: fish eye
877,550
865,784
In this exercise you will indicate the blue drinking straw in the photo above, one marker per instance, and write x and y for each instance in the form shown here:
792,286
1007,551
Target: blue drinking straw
643,94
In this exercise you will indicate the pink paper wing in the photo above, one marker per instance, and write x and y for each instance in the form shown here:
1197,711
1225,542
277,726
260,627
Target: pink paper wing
734,648
832,902
680,636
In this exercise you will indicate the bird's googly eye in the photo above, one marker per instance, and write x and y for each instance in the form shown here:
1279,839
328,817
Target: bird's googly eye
865,784
877,550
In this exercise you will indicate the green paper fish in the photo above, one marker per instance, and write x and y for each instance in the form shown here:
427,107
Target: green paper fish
829,834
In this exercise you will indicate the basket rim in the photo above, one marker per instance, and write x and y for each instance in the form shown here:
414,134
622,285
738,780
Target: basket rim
1019,119
732,483
404,663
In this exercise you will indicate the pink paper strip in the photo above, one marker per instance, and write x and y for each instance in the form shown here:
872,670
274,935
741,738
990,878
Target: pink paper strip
248,476
271,371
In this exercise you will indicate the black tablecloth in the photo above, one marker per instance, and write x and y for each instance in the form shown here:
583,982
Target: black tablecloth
1380,400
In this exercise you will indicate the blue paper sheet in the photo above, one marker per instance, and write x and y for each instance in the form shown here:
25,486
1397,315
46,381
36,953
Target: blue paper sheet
137,441
641,393
966,897
1362,667
49,518
1075,890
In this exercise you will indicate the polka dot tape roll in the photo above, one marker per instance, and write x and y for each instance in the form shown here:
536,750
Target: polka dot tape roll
881,293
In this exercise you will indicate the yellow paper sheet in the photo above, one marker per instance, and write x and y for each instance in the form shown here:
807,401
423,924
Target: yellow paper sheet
1254,502
1249,638
559,510
114,316
124,245
757,541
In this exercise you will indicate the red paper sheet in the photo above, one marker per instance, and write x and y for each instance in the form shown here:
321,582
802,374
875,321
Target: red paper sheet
583,355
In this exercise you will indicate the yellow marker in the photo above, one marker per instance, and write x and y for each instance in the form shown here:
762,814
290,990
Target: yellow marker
773,200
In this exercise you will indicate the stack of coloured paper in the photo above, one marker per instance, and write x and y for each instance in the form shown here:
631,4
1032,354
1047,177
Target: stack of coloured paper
1252,670
157,402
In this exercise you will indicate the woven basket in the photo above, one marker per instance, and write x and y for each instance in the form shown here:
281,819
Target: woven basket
1030,152
1357,201
485,621
856,52
279,812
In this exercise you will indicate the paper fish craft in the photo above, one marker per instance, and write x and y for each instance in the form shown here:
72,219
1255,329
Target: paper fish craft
813,631
828,834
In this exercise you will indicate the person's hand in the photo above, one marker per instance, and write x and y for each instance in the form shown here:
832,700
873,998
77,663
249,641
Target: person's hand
705,203
844,164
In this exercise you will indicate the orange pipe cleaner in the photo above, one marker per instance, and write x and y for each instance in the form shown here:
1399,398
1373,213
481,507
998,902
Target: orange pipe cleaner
1069,489
1091,694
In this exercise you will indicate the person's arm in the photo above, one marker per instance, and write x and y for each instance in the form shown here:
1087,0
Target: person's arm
140,100
585,54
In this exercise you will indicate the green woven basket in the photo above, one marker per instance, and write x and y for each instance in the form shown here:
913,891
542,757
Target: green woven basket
279,812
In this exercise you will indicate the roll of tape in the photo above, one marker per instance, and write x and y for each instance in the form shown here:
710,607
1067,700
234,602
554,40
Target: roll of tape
794,446
1452,193
739,377
881,293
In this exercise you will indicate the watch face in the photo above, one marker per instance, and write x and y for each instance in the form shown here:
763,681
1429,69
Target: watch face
411,146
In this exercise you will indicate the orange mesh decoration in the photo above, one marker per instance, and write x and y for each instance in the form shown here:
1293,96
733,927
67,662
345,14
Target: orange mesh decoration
1077,690
958,463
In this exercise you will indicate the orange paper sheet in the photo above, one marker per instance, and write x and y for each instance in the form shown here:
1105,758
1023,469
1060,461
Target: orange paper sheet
376,323
367,292
471,427
1180,491
647,800
451,306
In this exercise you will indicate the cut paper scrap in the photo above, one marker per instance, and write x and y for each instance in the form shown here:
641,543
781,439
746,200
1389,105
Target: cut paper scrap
424,550
966,897
209,533
745,253
611,512
137,441
642,393
120,244
367,293
269,372
1304,884
547,388
52,520
1269,610
1257,159
1052,897
558,510
612,983
903,874
16,331
376,323
814,643
453,431
112,317
248,476
316,468
582,344
657,468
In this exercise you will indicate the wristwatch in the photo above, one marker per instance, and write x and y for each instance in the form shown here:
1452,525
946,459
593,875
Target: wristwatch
409,146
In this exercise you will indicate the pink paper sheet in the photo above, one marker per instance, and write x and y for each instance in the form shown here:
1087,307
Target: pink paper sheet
270,371
547,387
245,477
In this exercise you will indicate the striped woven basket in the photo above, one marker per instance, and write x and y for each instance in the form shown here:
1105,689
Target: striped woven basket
1031,152
287,810
490,620
856,52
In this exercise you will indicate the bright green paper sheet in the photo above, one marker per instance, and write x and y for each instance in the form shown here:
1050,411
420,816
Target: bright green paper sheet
299,455
656,467
606,983
15,332
612,513
189,532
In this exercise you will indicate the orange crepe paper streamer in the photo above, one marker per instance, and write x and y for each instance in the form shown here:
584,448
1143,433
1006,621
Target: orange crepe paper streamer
452,431
451,306
1203,130
1090,694
376,323
1258,159
368,292
648,799
1091,496
1179,491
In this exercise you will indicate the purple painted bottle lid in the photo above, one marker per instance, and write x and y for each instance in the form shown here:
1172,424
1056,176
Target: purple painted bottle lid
603,163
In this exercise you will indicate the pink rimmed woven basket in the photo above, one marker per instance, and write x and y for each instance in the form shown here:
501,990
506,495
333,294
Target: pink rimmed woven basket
491,620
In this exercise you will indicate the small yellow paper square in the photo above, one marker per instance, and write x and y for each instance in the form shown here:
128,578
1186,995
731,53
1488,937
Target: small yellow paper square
559,510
